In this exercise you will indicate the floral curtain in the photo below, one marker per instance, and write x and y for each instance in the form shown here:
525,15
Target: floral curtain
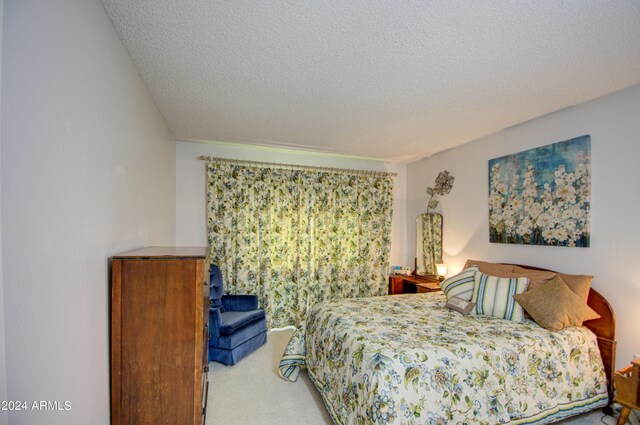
294,237
432,241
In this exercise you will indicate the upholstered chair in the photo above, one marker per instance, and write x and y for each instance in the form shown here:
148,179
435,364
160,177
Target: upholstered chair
237,326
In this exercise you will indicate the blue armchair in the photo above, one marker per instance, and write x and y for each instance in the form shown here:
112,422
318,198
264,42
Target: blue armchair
236,326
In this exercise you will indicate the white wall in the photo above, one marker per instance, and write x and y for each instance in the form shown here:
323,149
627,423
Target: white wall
190,185
88,170
4,416
613,124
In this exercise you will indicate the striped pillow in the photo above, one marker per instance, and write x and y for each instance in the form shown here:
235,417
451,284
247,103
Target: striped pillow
493,296
460,285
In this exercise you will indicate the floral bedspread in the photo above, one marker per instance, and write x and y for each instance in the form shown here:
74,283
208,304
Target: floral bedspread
407,359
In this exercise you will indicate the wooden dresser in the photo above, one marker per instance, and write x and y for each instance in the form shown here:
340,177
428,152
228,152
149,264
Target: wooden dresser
159,336
410,284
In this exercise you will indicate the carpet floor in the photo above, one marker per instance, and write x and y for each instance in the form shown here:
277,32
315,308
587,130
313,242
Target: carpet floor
252,393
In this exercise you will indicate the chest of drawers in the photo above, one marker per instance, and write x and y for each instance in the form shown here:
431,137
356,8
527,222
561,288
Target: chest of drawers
159,336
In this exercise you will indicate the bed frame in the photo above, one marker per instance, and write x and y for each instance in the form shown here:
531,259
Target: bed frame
605,330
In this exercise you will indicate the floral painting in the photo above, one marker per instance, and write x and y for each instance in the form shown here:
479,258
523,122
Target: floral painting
542,196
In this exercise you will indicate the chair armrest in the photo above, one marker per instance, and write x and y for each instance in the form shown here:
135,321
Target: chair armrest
215,321
240,302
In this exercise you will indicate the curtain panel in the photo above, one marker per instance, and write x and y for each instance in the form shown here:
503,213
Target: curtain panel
295,237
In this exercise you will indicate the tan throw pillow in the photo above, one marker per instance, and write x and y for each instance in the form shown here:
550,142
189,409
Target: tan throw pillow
578,283
493,269
555,306
536,277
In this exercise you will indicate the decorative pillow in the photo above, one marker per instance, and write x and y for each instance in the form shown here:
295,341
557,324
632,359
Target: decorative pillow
493,296
555,306
492,269
536,277
460,305
460,285
578,283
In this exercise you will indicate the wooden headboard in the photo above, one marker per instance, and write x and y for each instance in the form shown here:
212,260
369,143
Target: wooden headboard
604,328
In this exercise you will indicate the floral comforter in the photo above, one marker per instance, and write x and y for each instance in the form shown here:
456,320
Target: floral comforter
406,359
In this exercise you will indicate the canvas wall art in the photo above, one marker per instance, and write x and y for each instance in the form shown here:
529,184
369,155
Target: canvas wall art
542,196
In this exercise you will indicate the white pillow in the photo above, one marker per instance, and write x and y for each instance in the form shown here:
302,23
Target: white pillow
460,285
493,296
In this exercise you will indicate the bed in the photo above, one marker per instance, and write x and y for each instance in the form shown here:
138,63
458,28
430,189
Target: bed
406,359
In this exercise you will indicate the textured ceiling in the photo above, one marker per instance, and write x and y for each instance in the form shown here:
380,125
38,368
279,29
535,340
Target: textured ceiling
393,80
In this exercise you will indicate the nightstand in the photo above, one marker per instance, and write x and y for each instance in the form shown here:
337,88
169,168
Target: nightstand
412,284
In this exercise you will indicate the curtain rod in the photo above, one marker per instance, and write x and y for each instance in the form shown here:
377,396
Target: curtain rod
215,159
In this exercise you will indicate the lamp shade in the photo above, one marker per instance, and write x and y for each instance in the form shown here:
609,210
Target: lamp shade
442,269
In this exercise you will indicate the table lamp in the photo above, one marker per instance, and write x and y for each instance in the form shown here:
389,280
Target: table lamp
441,270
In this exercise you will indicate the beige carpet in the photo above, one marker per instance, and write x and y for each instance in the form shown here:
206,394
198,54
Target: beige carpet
252,393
